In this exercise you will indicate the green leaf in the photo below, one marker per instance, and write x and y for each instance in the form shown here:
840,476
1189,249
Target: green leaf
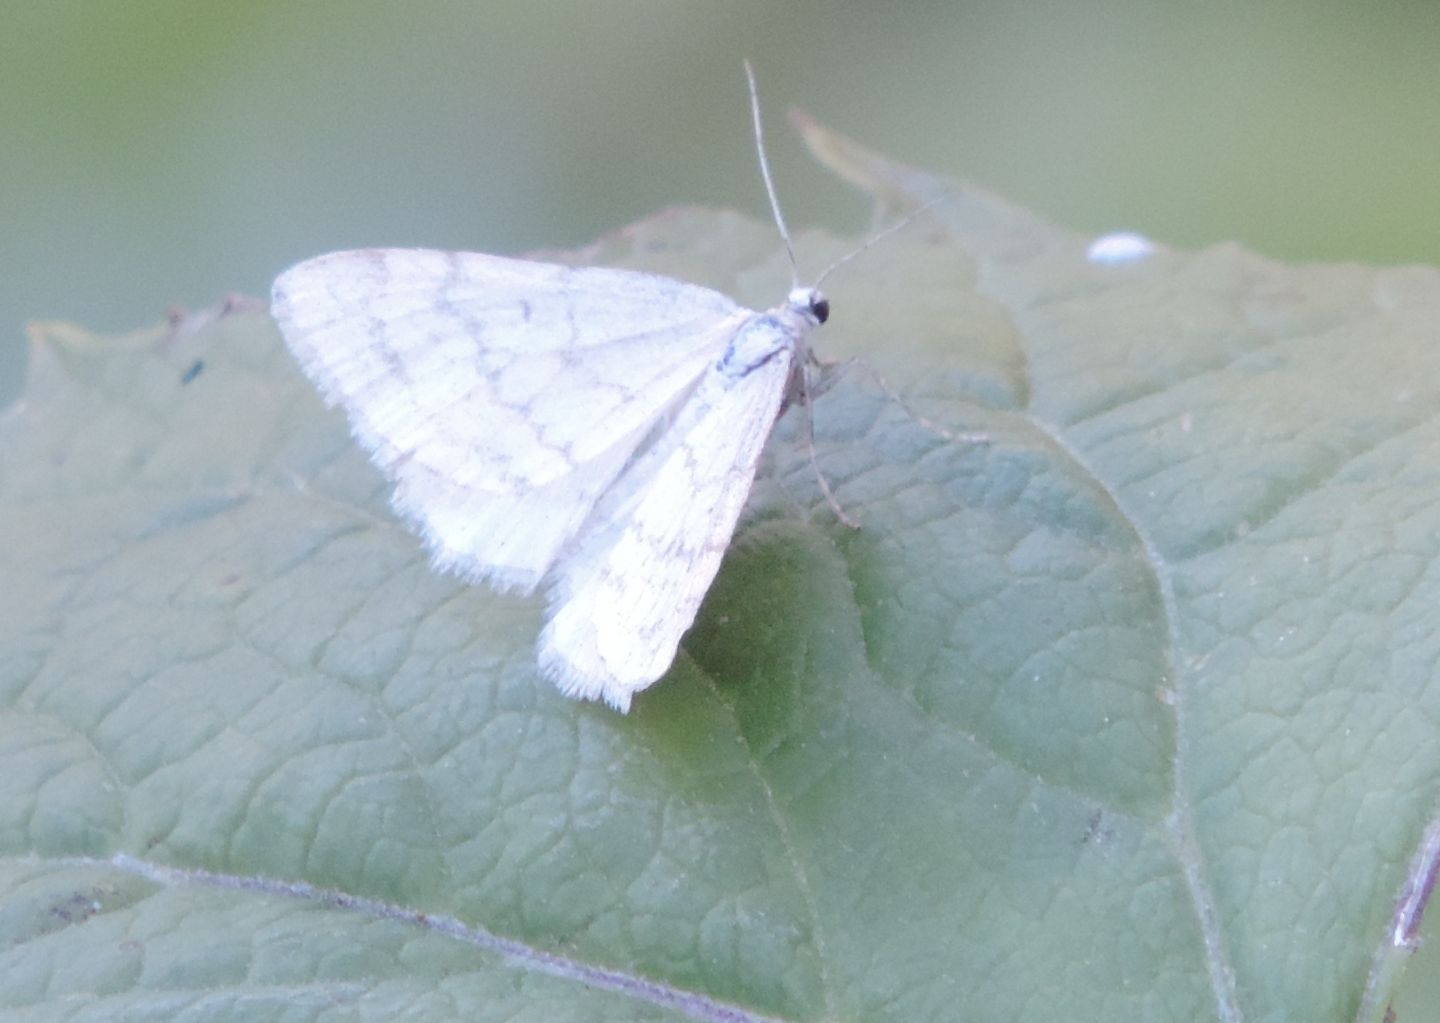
1128,712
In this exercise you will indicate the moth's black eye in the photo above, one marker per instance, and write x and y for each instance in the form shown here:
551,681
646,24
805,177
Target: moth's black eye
821,308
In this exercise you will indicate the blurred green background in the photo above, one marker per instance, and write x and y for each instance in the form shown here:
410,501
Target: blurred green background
158,151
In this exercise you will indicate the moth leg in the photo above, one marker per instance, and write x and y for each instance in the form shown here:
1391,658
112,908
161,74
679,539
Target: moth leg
806,397
832,371
828,373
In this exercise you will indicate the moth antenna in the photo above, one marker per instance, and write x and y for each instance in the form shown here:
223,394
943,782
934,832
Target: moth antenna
876,237
765,173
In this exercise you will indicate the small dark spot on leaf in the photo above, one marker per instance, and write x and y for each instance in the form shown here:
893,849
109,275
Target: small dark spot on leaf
79,907
1096,829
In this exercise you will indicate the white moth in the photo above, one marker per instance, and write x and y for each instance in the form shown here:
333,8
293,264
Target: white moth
594,431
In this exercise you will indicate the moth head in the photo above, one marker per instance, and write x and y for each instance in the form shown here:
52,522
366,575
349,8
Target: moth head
810,303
